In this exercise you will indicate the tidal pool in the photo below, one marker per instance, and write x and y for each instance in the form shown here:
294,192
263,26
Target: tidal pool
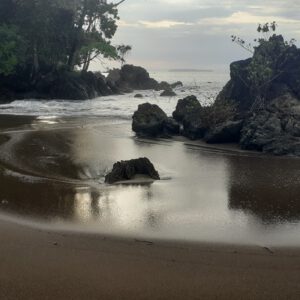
52,175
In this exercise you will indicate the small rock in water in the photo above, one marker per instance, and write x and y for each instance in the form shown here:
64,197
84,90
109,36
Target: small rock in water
126,170
138,96
168,93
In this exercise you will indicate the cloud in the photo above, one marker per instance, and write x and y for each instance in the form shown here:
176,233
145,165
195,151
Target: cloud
153,24
243,17
184,33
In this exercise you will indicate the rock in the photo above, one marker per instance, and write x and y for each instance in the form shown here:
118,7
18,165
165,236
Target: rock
285,65
71,85
168,93
171,127
149,120
228,132
163,86
126,170
113,78
130,78
185,107
138,96
190,113
193,126
176,84
275,129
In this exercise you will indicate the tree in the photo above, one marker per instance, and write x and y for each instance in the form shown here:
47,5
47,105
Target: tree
10,46
59,33
267,63
94,27
123,50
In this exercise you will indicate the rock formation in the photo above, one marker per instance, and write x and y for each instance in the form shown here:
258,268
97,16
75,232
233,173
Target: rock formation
126,170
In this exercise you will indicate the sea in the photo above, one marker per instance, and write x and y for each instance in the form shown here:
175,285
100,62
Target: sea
52,170
205,84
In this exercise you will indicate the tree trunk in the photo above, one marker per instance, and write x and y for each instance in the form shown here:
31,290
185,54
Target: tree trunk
74,48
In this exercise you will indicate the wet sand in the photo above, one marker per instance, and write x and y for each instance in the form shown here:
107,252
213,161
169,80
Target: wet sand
38,264
49,262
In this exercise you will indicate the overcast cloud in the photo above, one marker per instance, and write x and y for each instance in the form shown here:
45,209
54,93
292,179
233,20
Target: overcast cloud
196,33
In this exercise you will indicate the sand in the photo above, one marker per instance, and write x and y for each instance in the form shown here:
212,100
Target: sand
37,264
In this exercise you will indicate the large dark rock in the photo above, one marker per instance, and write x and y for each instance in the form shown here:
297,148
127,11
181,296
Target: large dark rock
176,84
275,129
126,170
190,113
171,127
193,125
130,78
168,93
228,132
138,96
72,85
284,64
149,120
185,107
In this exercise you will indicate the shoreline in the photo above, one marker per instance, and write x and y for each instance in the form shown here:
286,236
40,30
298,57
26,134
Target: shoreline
39,264
53,263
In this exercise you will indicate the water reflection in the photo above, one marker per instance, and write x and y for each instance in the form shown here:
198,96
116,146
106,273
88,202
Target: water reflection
210,195
269,188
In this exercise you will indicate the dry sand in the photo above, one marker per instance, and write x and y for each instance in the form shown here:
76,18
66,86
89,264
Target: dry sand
37,264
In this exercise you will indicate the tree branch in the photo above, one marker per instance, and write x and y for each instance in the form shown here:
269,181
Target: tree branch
118,3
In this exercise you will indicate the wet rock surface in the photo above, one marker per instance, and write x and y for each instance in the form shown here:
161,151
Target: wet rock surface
168,93
275,129
127,170
149,120
228,132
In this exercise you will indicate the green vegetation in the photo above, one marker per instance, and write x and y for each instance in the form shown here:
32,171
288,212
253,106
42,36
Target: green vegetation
41,36
267,64
10,49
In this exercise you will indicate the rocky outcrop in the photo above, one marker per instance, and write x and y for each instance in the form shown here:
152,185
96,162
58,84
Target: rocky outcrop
57,84
176,84
63,84
190,113
130,78
168,93
138,96
228,132
126,170
272,72
73,86
193,125
151,121
275,129
171,127
265,90
185,107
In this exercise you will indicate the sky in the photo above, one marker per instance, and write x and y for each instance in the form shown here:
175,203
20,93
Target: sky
168,34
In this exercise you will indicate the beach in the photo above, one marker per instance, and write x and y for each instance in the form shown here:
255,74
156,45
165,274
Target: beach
41,264
202,232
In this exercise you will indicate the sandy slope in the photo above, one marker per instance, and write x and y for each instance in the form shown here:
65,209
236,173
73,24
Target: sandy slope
37,264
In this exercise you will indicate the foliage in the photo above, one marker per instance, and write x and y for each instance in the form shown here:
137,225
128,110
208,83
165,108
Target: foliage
123,50
10,46
57,34
267,62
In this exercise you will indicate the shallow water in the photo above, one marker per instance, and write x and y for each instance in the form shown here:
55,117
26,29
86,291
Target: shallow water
54,173
205,85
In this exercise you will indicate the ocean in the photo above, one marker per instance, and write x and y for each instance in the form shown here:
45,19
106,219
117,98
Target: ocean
205,85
